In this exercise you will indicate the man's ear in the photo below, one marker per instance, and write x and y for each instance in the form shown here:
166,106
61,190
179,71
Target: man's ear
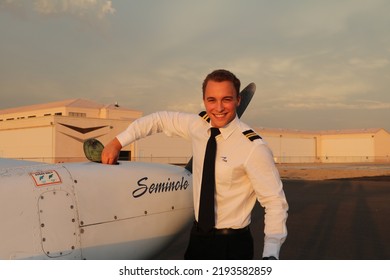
238,100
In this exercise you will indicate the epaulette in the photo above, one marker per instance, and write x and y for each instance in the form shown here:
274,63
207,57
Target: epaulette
204,116
251,135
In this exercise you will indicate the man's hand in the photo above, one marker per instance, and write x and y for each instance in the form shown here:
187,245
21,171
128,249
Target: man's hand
111,151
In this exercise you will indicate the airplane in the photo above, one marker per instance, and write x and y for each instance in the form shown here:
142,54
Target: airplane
88,210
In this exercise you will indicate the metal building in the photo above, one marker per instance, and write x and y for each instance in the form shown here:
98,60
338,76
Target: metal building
54,132
328,146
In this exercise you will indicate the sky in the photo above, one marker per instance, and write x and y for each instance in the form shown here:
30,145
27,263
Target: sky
317,65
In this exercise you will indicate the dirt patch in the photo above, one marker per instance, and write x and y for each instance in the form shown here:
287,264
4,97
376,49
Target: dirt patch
332,171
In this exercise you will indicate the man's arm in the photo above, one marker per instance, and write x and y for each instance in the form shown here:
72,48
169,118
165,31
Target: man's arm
269,191
111,151
171,123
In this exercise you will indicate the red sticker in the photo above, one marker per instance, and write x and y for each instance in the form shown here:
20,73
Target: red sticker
44,178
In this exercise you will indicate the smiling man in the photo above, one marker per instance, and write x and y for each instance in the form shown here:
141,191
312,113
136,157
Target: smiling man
243,172
221,100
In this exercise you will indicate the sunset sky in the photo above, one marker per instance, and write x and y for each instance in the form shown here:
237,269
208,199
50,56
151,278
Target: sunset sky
317,64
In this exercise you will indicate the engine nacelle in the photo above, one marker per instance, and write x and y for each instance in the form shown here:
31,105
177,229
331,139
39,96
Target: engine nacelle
92,211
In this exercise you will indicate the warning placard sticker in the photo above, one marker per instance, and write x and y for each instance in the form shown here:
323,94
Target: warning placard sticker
47,177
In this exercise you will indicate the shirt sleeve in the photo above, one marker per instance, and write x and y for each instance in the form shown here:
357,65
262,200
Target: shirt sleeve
171,123
268,187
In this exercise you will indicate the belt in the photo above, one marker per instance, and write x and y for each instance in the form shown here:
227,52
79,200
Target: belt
221,231
230,231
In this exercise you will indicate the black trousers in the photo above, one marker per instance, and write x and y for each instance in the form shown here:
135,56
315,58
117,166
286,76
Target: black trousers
217,246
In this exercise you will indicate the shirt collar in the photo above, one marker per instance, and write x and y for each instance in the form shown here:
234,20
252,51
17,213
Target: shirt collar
228,129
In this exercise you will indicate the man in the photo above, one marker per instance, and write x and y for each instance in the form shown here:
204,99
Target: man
244,171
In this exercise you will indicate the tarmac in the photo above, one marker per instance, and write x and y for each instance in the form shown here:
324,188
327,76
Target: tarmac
329,219
342,219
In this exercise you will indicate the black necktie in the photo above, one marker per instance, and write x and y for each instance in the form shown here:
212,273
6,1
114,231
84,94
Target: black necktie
206,217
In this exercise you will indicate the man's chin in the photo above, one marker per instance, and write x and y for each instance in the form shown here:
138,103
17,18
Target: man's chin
219,123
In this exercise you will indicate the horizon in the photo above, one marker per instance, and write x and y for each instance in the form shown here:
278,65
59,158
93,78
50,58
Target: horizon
260,128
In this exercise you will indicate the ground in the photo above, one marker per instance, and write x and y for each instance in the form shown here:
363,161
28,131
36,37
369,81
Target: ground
336,212
332,170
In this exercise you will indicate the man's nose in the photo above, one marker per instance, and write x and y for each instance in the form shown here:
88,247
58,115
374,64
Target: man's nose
220,106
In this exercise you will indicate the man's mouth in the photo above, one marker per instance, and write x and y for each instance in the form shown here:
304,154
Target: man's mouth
219,115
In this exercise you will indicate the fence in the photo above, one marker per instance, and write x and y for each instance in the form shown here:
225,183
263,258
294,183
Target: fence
166,160
332,159
184,160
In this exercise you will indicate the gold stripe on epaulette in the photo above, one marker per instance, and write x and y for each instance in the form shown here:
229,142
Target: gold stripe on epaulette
204,116
251,135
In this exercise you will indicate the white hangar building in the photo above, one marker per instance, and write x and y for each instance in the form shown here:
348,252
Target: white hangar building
55,132
328,146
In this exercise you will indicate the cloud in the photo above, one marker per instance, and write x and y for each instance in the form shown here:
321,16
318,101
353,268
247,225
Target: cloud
75,7
357,105
307,57
311,18
369,63
79,8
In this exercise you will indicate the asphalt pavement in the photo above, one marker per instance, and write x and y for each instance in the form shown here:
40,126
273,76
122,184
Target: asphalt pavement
343,219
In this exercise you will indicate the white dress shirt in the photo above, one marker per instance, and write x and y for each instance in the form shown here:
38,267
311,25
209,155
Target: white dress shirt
245,171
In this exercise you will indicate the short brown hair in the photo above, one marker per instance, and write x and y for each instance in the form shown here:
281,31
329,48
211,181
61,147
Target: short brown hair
222,75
